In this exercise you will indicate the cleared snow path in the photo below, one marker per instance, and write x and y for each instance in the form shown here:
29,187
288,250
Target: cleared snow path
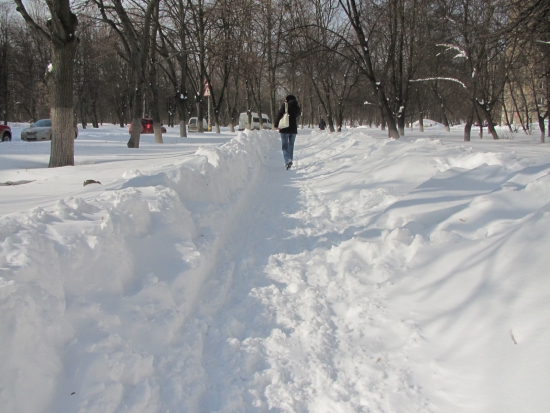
289,320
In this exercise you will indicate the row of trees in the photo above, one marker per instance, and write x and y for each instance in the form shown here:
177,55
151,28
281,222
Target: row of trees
382,62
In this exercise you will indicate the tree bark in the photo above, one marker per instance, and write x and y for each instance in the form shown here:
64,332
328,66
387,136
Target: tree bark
489,119
153,82
542,128
135,135
62,112
63,43
468,125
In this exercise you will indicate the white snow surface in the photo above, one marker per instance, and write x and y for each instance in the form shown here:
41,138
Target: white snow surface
377,275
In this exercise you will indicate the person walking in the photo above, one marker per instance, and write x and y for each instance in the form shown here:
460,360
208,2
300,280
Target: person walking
288,134
322,124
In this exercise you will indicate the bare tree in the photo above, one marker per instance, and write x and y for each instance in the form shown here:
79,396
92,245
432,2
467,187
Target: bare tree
530,25
200,14
355,14
5,59
474,41
175,51
153,76
134,35
60,33
221,50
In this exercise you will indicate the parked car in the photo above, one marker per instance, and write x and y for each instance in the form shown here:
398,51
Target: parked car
41,130
243,121
147,126
5,133
193,124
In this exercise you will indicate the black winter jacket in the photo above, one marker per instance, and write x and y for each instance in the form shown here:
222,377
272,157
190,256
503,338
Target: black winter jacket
294,112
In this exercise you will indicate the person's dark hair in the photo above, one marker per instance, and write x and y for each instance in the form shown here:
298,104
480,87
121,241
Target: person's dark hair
290,97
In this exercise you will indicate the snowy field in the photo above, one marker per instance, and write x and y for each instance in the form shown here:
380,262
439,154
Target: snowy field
377,276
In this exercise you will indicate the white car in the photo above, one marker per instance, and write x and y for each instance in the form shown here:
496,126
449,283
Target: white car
193,124
41,130
243,121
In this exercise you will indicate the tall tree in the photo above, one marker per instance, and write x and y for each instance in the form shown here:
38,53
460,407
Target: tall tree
175,51
200,14
5,59
135,35
530,24
60,33
474,41
355,13
153,76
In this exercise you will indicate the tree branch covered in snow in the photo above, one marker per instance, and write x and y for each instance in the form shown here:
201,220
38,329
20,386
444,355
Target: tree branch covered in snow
428,79
461,52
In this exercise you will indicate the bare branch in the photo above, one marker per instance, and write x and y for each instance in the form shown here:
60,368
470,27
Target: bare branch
23,11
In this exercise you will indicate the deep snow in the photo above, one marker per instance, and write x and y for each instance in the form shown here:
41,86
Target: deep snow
201,276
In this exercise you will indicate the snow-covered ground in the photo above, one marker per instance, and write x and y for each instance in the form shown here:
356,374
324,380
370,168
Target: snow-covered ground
377,276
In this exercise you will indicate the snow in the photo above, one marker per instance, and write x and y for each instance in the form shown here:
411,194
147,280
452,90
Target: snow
387,276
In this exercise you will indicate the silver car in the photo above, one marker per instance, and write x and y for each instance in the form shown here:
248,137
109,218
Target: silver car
41,130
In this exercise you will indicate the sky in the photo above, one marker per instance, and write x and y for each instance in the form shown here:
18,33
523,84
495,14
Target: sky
198,275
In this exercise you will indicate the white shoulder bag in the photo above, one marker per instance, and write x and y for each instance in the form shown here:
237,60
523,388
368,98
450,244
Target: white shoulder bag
285,120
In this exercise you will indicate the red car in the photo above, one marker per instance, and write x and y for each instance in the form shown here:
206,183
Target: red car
5,133
147,126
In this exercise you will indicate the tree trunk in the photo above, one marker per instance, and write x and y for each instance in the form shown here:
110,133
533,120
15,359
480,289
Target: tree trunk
153,83
468,125
271,68
181,102
135,136
489,120
542,128
82,113
467,130
231,111
480,122
95,122
62,111
492,130
520,118
157,125
387,114
63,44
506,116
445,121
62,149
401,123
392,128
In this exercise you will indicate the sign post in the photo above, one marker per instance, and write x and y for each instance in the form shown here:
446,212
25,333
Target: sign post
207,93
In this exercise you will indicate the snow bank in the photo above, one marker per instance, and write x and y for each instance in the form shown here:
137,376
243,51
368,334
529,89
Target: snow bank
92,291
440,239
